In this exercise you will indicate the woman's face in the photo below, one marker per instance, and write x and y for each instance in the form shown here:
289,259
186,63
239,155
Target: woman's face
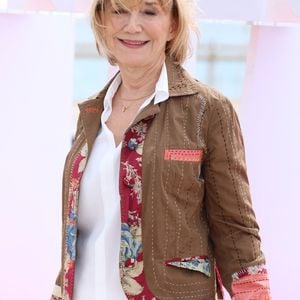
138,37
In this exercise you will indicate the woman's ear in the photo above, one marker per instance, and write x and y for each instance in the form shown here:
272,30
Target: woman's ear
173,30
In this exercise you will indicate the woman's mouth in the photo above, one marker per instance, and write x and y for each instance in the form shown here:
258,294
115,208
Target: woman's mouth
134,44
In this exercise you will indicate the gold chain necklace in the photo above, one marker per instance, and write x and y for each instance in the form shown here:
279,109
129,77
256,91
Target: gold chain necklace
125,107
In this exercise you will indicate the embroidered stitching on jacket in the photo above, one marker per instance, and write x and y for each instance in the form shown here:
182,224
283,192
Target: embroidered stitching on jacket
184,155
254,286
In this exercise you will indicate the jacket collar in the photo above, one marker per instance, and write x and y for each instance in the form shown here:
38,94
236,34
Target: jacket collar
180,84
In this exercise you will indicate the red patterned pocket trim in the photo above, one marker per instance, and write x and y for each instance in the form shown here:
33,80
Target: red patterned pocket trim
184,155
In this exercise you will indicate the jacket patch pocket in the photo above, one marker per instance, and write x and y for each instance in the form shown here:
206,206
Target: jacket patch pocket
184,155
194,263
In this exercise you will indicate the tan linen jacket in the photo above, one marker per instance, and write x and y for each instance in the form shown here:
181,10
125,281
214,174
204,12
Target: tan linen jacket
189,208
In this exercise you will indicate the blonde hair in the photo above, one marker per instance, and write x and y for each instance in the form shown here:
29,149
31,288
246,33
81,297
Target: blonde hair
181,12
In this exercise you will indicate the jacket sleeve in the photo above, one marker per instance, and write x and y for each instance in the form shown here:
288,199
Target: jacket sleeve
233,228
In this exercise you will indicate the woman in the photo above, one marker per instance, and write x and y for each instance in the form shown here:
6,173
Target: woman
164,210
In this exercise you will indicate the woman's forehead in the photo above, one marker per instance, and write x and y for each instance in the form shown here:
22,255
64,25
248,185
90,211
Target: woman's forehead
137,3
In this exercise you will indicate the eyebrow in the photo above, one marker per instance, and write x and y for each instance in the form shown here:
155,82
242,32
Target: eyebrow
151,3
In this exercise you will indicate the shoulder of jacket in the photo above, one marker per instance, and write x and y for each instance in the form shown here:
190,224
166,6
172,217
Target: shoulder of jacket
189,86
213,98
212,95
91,100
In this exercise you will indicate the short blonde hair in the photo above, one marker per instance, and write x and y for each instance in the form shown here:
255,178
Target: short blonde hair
181,12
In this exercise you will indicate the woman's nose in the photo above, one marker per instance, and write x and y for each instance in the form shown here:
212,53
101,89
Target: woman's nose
133,24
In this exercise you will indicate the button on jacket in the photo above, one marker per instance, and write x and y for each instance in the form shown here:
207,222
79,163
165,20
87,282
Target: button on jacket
198,225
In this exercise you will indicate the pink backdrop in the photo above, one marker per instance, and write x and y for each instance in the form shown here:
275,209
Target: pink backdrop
270,113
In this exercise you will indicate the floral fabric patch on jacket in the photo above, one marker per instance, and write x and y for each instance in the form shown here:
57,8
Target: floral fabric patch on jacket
71,222
195,263
131,250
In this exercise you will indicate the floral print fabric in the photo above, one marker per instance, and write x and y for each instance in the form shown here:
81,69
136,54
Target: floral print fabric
252,270
71,222
251,283
195,263
131,250
131,253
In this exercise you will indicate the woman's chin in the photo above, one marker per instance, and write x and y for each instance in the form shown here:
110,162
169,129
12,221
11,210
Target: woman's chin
132,63
136,62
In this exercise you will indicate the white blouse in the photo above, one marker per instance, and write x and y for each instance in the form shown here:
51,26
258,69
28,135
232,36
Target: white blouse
97,274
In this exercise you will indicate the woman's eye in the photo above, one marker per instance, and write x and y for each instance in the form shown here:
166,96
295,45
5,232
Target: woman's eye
149,13
119,11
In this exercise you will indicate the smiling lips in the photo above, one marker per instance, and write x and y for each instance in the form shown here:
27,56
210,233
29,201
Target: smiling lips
135,44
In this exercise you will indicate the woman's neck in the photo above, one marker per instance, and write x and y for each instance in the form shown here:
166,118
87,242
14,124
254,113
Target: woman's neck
139,81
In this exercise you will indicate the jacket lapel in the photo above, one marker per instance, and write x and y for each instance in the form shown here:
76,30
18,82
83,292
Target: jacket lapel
90,113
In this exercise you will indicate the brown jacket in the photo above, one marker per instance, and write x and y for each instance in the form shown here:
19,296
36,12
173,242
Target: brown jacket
189,208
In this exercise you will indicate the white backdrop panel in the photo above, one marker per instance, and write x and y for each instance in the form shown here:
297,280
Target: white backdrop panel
35,116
